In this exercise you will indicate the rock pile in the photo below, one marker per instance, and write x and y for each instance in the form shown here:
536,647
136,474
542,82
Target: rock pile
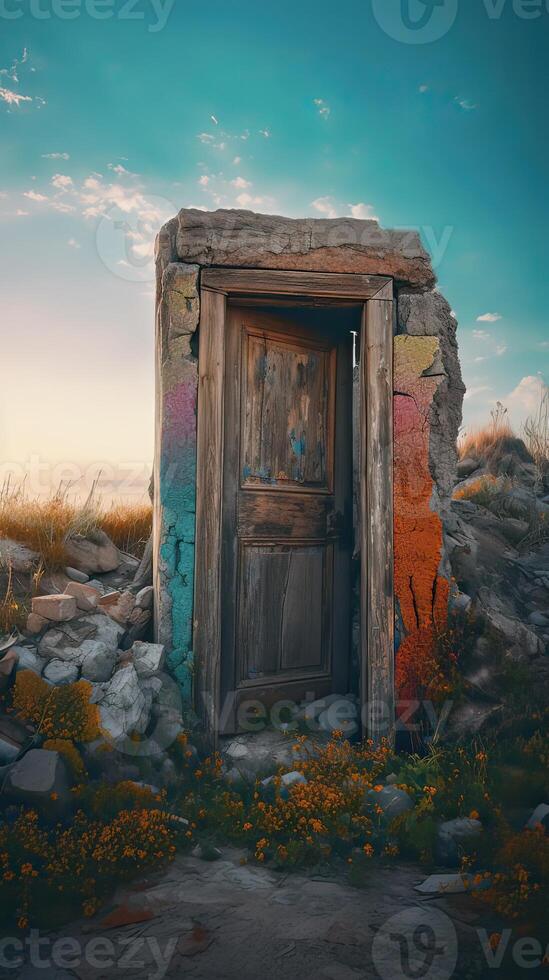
497,537
95,629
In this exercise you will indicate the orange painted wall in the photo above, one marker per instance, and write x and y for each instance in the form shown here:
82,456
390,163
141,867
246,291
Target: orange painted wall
421,592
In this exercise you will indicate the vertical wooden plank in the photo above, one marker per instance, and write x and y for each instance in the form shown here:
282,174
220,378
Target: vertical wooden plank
209,473
376,528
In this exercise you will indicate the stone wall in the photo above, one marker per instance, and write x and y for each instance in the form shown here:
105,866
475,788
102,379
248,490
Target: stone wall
428,398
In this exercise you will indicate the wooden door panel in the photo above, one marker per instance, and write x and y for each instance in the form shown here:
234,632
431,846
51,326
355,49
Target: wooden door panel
288,413
281,604
286,503
286,515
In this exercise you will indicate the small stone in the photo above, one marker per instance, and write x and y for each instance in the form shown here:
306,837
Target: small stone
109,598
139,617
453,836
148,658
207,852
467,466
94,583
449,884
391,779
538,619
341,715
28,659
57,608
76,575
87,598
120,610
59,673
460,602
98,663
539,816
36,623
292,778
393,802
144,598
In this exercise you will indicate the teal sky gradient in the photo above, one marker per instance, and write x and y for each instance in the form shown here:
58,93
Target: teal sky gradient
450,137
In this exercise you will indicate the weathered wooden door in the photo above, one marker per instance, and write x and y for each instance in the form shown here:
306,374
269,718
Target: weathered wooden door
287,508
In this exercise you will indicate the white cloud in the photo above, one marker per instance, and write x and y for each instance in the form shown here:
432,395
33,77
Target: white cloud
55,156
525,399
262,132
73,243
364,211
8,95
35,196
240,183
465,104
236,161
482,335
62,182
501,349
474,392
117,168
331,209
206,138
489,318
13,98
323,108
326,206
214,120
204,180
20,213
423,89
544,345
246,199
12,72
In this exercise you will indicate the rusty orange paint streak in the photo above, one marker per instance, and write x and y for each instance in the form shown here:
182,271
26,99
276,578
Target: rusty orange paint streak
421,592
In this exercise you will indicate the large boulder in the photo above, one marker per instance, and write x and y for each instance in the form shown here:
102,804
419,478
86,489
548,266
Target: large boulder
453,836
124,708
38,779
521,642
75,641
59,673
17,556
148,658
392,801
93,554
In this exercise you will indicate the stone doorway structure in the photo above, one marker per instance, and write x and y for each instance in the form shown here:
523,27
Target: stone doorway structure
209,264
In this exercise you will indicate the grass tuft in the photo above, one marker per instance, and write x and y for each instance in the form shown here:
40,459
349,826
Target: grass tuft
45,525
480,443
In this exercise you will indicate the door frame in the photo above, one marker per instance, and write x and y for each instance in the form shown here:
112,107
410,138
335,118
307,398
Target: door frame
375,534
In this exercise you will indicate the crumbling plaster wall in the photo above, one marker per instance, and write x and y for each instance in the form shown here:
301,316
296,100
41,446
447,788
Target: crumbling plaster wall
428,398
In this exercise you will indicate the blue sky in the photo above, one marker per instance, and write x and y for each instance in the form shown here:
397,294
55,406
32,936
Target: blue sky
109,126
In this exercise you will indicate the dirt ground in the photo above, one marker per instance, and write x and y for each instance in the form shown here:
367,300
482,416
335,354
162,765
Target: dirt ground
228,920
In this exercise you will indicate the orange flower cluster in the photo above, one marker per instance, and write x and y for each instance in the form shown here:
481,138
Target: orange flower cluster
308,820
58,712
521,888
82,862
69,753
